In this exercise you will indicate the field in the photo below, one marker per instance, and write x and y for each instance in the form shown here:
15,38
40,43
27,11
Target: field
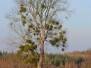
74,59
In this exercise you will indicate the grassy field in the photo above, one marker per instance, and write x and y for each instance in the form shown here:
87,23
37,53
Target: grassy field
74,59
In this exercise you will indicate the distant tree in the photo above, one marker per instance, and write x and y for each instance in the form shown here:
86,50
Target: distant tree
40,24
0,53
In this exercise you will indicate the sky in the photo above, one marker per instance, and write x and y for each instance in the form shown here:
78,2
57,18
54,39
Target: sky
78,25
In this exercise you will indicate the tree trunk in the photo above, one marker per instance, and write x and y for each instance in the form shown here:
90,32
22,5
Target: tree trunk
41,58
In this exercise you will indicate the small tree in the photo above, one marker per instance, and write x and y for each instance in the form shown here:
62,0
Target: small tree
40,20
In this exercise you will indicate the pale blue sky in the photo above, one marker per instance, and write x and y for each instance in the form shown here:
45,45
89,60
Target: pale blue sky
78,24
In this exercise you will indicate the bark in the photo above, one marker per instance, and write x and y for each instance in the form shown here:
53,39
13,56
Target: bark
41,58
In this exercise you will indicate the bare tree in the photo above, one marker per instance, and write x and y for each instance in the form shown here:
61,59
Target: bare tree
38,22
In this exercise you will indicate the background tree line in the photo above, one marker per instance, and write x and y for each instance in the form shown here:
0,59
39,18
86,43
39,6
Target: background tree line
67,60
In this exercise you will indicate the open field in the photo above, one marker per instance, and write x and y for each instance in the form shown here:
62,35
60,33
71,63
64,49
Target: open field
68,60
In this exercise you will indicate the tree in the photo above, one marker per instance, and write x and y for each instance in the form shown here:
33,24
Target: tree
0,53
40,19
